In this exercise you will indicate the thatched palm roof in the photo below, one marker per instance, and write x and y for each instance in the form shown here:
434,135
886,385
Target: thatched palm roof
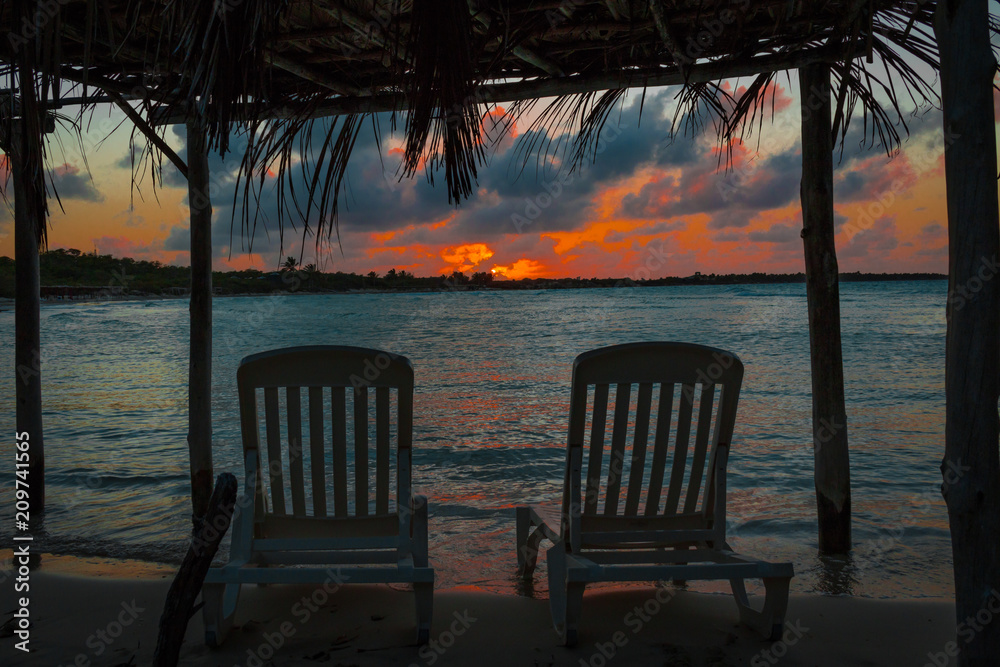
271,66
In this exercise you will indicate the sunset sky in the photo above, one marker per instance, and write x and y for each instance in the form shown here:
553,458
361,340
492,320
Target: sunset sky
646,208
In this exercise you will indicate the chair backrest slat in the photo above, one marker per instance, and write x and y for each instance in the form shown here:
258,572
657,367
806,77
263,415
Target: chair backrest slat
678,468
597,427
404,443
674,480
317,452
661,444
274,468
701,446
361,450
616,462
339,428
293,404
638,464
382,450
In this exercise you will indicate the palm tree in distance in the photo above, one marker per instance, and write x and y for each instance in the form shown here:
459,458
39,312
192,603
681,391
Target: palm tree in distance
290,264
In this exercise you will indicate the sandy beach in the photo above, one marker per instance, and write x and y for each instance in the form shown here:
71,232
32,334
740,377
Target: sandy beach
91,612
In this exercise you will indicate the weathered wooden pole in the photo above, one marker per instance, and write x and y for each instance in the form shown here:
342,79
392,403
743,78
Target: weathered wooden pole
971,465
200,366
29,221
830,453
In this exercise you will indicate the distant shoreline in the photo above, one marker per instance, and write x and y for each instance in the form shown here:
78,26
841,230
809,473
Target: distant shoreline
529,284
72,276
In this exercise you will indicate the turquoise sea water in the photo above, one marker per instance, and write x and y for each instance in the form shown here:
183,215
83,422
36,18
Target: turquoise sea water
492,372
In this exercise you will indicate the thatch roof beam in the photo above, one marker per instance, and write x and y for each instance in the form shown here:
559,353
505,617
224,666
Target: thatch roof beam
656,9
150,133
595,31
128,87
616,9
310,35
541,62
545,87
367,29
529,56
292,66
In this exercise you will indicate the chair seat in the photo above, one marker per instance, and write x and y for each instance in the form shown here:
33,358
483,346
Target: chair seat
250,574
582,568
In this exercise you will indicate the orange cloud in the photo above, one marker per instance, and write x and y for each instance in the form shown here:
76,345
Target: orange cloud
399,250
499,129
465,257
401,152
772,93
595,233
522,268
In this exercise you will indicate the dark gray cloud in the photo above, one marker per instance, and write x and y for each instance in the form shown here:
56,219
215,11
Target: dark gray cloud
932,240
839,220
130,218
72,183
873,243
778,233
941,252
179,238
733,197
933,230
728,237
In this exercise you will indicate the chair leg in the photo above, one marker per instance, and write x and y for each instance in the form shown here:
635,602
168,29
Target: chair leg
528,544
424,593
557,587
769,621
565,597
574,606
220,602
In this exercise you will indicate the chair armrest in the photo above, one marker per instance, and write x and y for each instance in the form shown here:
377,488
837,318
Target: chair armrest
246,503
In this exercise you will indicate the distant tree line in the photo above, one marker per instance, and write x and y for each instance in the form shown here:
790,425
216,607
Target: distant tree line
138,277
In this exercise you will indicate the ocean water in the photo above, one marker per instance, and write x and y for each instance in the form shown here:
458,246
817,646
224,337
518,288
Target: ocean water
492,376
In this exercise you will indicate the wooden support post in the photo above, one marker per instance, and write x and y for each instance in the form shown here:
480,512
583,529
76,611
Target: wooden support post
831,457
28,221
971,465
200,366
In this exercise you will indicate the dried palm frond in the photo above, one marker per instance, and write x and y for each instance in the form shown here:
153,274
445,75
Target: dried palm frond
219,49
578,117
899,37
